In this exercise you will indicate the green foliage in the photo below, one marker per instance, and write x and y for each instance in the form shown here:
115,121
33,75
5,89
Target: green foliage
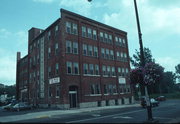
10,90
136,62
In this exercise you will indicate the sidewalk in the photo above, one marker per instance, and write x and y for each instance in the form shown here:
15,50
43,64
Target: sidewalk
46,114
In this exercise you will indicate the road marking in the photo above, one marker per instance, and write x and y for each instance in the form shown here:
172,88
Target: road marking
43,116
125,117
96,115
163,118
104,116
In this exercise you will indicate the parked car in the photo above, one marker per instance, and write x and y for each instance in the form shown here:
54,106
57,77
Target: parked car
21,106
9,106
161,98
153,102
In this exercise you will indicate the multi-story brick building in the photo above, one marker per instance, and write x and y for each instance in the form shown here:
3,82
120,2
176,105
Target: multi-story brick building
77,62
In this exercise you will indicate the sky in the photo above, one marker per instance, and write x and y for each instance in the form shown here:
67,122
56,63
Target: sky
159,20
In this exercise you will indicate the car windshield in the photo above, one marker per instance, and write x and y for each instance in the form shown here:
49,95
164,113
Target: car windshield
152,100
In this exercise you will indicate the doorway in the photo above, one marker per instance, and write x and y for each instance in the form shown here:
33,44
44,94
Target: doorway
73,97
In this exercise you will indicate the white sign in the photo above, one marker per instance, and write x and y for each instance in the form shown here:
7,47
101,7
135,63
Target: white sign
122,80
54,80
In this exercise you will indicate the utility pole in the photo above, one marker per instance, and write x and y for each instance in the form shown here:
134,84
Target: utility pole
149,110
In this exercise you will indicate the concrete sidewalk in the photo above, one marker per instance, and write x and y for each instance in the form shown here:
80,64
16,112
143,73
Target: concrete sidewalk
46,114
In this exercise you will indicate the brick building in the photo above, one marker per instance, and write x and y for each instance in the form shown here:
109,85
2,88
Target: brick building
76,62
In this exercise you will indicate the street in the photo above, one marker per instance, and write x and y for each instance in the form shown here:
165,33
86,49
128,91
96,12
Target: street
166,112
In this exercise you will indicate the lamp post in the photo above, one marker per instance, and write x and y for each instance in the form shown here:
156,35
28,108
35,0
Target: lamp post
149,110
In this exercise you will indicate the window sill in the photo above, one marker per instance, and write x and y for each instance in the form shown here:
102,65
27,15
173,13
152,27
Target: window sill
94,95
91,75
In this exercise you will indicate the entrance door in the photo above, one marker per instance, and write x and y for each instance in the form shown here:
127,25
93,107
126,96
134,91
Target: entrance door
73,97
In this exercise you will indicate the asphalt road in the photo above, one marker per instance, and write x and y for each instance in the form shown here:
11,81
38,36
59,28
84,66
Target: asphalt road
166,112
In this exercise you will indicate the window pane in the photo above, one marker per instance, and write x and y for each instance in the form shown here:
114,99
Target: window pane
75,47
89,32
84,49
102,52
68,27
101,36
76,68
69,67
91,69
74,28
95,51
68,46
90,50
83,31
85,68
97,69
94,35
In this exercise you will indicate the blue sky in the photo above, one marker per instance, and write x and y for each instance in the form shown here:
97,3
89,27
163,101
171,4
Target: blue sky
159,19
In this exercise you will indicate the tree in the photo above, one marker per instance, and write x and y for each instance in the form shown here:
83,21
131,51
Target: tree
150,76
136,62
168,83
178,71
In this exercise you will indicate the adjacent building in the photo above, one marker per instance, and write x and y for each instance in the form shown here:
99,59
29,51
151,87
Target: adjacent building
75,62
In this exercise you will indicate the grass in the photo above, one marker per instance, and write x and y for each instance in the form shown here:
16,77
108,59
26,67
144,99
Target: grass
175,95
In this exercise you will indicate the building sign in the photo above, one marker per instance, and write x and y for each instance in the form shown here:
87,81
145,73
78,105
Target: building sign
122,80
54,80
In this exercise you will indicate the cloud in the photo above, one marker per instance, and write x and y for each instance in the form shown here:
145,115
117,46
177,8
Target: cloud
168,63
44,1
7,67
80,6
4,33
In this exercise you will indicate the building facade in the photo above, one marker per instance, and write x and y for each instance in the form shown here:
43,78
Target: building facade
76,62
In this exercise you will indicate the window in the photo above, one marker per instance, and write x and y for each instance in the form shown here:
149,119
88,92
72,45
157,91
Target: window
68,27
95,51
91,69
83,31
105,37
101,36
107,53
57,91
74,31
114,89
110,39
89,33
118,55
57,68
102,52
85,68
92,89
113,71
90,50
49,35
56,29
108,71
105,89
122,55
127,70
75,47
49,71
97,91
119,71
94,35
84,49
49,52
125,56
116,40
50,92
124,42
38,44
111,54
68,47
56,49
69,67
122,71
76,68
120,42
38,60
110,87
104,70
96,69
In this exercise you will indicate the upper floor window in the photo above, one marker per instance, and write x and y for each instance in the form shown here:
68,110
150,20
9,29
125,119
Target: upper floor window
85,68
49,71
74,30
68,27
49,52
94,35
83,31
49,35
95,51
69,67
68,46
96,69
56,48
90,50
57,68
91,69
75,47
110,39
56,29
105,37
76,68
103,52
84,49
89,33
101,36
111,54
